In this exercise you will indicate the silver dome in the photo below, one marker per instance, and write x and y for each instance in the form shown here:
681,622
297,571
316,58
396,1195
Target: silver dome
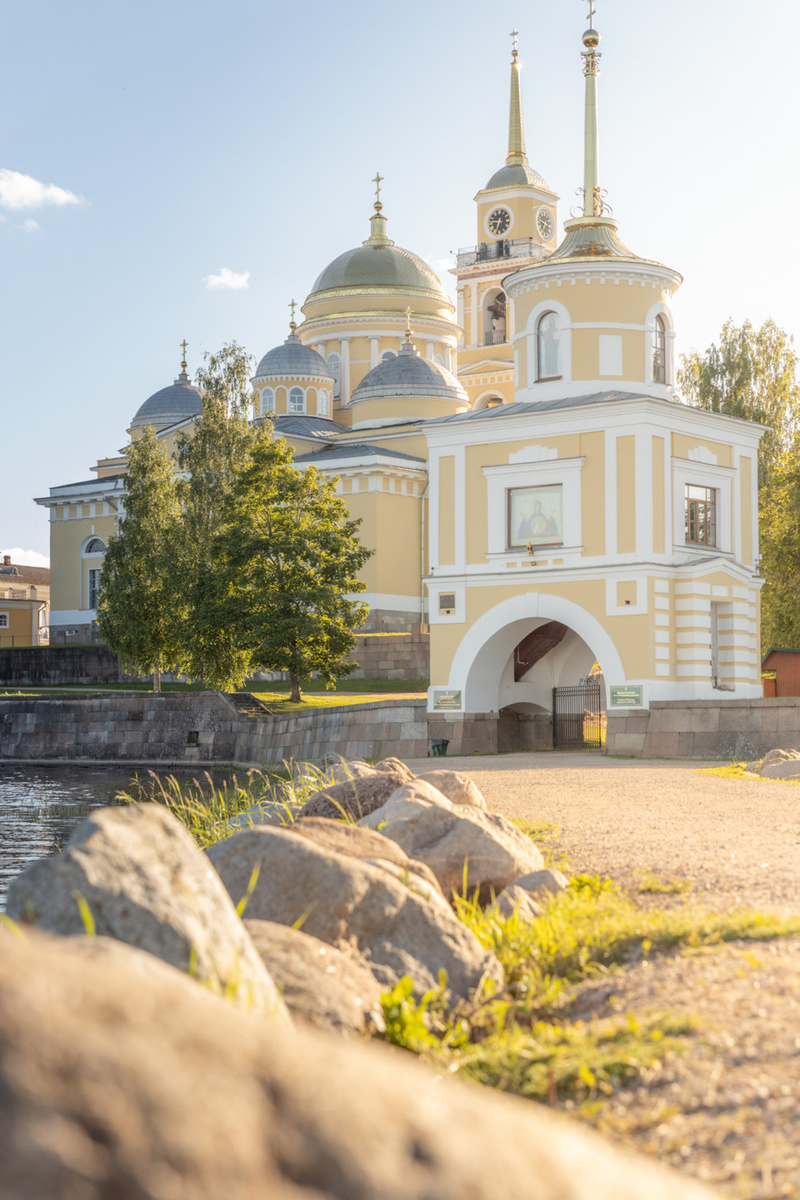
408,374
293,358
171,404
516,176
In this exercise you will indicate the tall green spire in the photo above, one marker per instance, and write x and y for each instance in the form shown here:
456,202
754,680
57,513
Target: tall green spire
516,129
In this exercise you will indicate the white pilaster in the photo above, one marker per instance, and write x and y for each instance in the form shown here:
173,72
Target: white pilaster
429,350
345,344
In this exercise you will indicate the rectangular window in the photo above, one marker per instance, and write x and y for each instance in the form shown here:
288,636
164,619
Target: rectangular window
701,515
535,516
3,620
94,587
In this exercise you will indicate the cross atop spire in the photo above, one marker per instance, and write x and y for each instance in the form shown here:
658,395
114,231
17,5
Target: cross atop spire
184,344
292,324
378,180
514,35
591,12
516,132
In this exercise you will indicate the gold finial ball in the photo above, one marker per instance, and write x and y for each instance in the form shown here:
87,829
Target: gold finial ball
591,39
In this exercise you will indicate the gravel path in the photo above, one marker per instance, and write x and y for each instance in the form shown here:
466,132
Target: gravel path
729,1111
737,841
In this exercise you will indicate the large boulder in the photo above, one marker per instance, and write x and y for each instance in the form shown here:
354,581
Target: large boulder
359,842
515,899
456,786
145,882
788,768
109,1089
461,845
356,797
400,927
319,983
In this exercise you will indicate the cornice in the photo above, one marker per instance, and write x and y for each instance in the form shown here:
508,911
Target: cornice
606,270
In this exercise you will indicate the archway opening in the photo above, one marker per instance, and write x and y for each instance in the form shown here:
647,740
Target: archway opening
494,318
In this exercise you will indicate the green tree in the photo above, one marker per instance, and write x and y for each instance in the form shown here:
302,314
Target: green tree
750,374
220,441
291,556
779,517
141,612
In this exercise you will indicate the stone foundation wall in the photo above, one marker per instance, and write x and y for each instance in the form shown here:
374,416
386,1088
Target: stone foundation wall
706,729
202,728
392,656
44,666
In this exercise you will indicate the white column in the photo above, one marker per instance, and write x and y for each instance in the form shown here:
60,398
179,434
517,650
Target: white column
474,338
345,387
429,350
460,314
321,348
374,343
448,357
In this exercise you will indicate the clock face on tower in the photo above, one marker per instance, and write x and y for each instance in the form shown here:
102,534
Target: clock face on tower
498,222
544,223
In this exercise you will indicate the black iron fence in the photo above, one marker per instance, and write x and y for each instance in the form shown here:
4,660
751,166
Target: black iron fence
578,717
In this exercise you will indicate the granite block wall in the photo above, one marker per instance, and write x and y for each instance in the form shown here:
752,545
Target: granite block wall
706,729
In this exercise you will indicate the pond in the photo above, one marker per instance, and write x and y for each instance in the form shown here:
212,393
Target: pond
40,807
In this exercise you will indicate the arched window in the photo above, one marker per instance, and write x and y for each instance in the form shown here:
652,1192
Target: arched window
95,546
660,351
335,368
297,400
388,355
323,408
267,401
494,318
548,347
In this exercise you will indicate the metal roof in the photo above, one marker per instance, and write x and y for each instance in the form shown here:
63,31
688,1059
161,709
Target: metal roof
293,358
516,176
346,450
174,403
524,408
379,266
408,374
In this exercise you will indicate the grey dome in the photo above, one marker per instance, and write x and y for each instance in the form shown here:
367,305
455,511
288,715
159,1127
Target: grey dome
293,358
174,403
383,265
409,375
517,176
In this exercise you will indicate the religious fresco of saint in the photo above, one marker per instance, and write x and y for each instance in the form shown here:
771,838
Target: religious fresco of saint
535,516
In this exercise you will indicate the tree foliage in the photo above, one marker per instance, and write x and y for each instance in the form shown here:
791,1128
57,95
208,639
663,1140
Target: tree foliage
779,516
291,556
141,613
221,441
751,374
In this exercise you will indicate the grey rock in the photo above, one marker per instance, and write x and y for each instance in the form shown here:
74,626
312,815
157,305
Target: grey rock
460,844
347,901
320,984
778,756
515,899
359,842
543,883
456,786
781,769
146,883
354,797
112,1089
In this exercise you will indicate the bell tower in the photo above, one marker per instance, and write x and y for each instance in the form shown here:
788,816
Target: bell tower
516,227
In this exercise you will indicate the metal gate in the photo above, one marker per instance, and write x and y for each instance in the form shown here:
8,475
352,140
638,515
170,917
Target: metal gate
578,717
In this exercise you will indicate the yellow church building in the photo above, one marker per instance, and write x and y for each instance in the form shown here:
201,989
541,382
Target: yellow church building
527,481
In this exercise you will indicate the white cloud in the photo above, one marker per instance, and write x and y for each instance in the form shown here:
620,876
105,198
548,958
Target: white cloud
232,281
30,226
23,191
25,558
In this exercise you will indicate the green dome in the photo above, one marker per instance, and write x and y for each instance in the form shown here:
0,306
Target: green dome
386,266
516,176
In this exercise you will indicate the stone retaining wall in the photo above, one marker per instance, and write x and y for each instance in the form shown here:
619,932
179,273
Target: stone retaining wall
201,728
44,666
392,656
707,729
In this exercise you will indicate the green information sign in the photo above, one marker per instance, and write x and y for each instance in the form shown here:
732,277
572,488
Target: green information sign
626,696
446,700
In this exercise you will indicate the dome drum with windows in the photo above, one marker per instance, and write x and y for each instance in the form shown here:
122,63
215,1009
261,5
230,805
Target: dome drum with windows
293,380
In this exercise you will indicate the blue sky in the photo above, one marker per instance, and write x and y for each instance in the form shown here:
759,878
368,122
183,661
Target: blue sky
201,136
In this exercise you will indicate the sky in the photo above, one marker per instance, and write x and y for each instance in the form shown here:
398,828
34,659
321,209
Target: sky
173,169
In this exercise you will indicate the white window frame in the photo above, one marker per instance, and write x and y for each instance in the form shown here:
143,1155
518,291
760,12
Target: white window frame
5,620
532,346
709,476
267,401
500,479
295,394
334,362
93,578
323,403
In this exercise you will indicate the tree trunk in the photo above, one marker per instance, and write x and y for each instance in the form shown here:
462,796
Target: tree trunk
295,682
157,675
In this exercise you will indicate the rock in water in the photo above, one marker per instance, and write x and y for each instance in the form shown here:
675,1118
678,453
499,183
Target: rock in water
453,839
145,882
456,786
319,983
112,1089
399,927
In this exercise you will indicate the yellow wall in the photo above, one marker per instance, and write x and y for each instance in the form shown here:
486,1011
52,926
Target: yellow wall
447,491
593,491
681,445
746,517
383,516
626,495
658,495
66,539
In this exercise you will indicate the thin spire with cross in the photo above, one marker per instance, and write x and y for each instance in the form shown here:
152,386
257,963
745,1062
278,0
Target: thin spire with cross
408,323
514,35
292,324
377,181
591,12
184,344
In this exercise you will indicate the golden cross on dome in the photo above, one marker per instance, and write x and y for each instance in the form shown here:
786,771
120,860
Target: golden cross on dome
184,344
408,323
377,181
514,35
591,12
292,306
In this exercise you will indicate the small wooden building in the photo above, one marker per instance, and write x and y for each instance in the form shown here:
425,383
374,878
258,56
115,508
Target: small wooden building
780,671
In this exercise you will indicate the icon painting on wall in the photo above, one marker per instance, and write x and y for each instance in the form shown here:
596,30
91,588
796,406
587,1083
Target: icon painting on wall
535,516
